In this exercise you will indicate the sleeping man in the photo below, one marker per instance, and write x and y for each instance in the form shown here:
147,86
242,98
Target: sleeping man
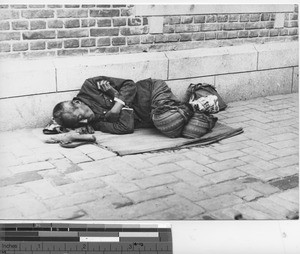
118,106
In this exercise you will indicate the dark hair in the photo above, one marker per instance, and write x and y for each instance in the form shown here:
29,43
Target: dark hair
62,114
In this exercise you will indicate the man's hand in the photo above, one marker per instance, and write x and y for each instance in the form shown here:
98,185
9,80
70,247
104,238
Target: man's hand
106,87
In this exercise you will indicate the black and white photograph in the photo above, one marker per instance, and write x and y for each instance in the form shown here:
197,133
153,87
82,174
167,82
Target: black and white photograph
149,111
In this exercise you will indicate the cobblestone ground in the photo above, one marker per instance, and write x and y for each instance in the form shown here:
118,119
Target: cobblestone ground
255,173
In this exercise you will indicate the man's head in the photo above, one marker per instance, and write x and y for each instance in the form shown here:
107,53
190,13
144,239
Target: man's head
70,114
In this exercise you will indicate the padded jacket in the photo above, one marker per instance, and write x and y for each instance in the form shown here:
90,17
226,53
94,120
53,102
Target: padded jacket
145,97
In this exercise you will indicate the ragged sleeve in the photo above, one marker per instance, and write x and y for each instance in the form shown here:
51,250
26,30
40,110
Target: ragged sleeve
124,125
126,88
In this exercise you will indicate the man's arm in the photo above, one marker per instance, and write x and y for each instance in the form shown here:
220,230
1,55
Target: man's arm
124,124
113,114
124,89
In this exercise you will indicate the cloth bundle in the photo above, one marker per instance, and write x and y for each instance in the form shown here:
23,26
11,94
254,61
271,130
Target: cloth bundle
208,104
205,100
196,91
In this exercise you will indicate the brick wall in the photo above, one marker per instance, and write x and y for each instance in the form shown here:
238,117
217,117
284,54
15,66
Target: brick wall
32,31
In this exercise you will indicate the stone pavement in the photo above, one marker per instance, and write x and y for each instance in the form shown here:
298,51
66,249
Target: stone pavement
255,173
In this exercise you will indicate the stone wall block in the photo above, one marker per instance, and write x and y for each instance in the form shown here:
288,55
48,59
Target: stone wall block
295,88
277,55
211,61
30,111
244,86
19,78
71,73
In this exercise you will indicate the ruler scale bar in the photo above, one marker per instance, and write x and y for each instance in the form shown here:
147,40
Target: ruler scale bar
95,247
80,238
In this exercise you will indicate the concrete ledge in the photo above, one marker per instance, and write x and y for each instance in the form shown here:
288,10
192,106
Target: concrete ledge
242,86
211,61
27,77
29,111
71,72
295,88
21,77
277,55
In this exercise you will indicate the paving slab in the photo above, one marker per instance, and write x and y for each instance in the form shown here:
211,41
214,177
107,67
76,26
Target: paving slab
220,202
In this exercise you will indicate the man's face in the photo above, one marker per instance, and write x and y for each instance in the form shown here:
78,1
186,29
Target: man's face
81,114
